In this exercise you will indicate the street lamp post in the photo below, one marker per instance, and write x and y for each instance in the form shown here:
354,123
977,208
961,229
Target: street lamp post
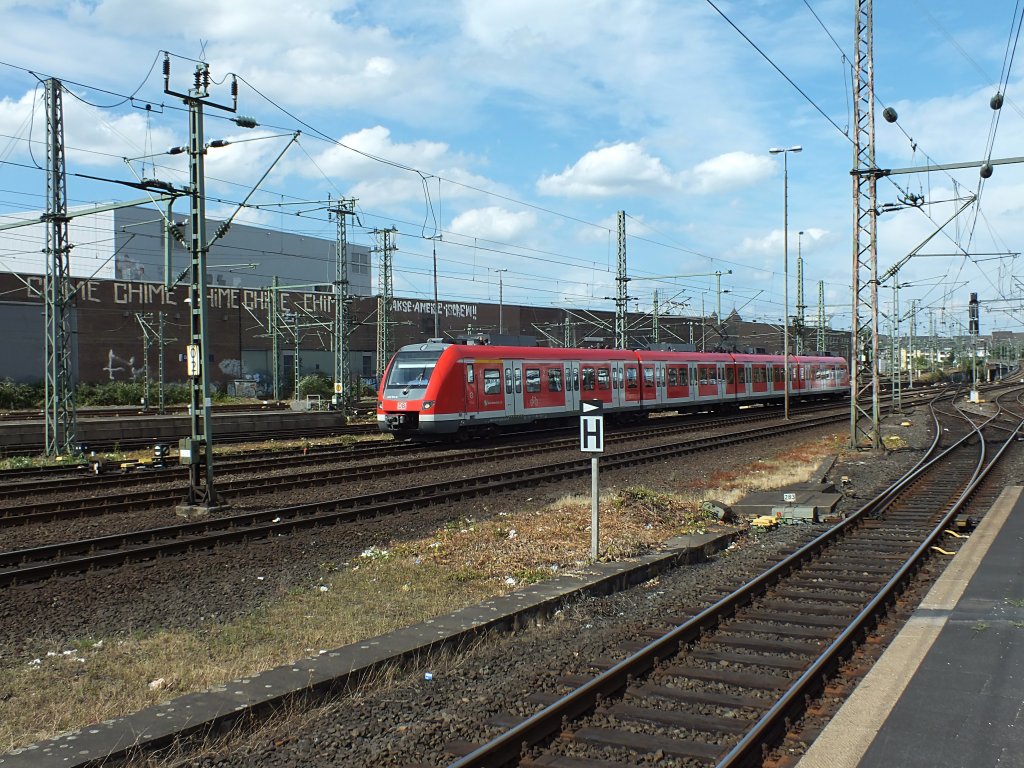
785,260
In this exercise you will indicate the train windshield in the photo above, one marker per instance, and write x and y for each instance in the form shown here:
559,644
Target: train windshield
411,370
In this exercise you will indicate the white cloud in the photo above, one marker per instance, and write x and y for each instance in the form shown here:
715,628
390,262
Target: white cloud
621,169
730,171
494,223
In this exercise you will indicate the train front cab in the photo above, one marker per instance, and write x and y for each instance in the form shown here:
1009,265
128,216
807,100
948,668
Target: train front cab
409,390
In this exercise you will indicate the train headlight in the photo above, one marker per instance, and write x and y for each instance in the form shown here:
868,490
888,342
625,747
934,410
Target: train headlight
428,404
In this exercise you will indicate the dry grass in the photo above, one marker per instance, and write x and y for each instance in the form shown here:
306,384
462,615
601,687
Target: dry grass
387,587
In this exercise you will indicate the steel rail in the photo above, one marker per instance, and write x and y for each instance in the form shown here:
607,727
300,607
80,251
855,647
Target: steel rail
505,749
23,565
748,751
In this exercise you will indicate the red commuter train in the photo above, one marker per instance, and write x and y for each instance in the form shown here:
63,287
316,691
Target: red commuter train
437,389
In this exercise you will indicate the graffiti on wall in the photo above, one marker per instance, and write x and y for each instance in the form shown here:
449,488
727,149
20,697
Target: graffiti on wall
117,364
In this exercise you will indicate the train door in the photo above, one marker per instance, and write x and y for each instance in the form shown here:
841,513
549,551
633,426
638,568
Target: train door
648,388
572,386
513,387
632,392
724,380
744,381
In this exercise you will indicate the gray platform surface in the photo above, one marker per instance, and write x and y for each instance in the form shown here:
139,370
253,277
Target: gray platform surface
949,691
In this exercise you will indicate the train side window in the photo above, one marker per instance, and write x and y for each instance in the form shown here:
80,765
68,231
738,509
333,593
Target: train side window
703,374
470,377
554,379
508,381
588,378
671,377
519,380
533,379
730,375
604,378
631,378
492,381
648,376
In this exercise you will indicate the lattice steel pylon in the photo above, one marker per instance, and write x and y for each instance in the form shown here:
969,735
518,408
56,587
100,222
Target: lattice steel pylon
822,341
342,327
275,336
864,338
386,238
57,289
621,282
801,308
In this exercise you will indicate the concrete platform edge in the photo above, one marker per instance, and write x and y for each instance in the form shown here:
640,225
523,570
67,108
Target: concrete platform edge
845,740
214,711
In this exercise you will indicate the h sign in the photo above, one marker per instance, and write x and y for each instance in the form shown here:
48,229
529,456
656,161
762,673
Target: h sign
592,434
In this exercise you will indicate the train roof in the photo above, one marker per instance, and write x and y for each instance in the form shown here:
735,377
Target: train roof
561,353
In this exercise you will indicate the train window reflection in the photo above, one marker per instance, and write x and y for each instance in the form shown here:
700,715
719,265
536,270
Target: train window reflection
604,378
533,379
588,377
492,381
554,379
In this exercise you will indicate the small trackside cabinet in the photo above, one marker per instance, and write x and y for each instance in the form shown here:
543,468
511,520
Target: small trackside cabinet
191,451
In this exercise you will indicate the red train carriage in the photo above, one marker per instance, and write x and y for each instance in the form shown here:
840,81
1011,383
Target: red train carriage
437,389
440,389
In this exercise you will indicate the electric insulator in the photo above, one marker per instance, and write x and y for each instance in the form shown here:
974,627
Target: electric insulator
986,170
996,102
890,115
234,88
167,66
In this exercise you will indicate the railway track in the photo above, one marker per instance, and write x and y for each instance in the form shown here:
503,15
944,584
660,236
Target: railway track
132,443
26,565
30,481
101,495
723,685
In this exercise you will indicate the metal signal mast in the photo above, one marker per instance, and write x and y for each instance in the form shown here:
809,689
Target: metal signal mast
864,331
384,283
58,290
342,326
621,283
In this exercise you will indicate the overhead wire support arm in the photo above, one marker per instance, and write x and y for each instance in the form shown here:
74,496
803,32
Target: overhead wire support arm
895,268
226,225
883,172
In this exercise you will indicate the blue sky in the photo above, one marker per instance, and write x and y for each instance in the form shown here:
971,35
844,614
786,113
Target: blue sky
516,129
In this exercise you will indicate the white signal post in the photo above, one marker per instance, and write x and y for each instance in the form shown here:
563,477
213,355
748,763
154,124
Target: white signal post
592,442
